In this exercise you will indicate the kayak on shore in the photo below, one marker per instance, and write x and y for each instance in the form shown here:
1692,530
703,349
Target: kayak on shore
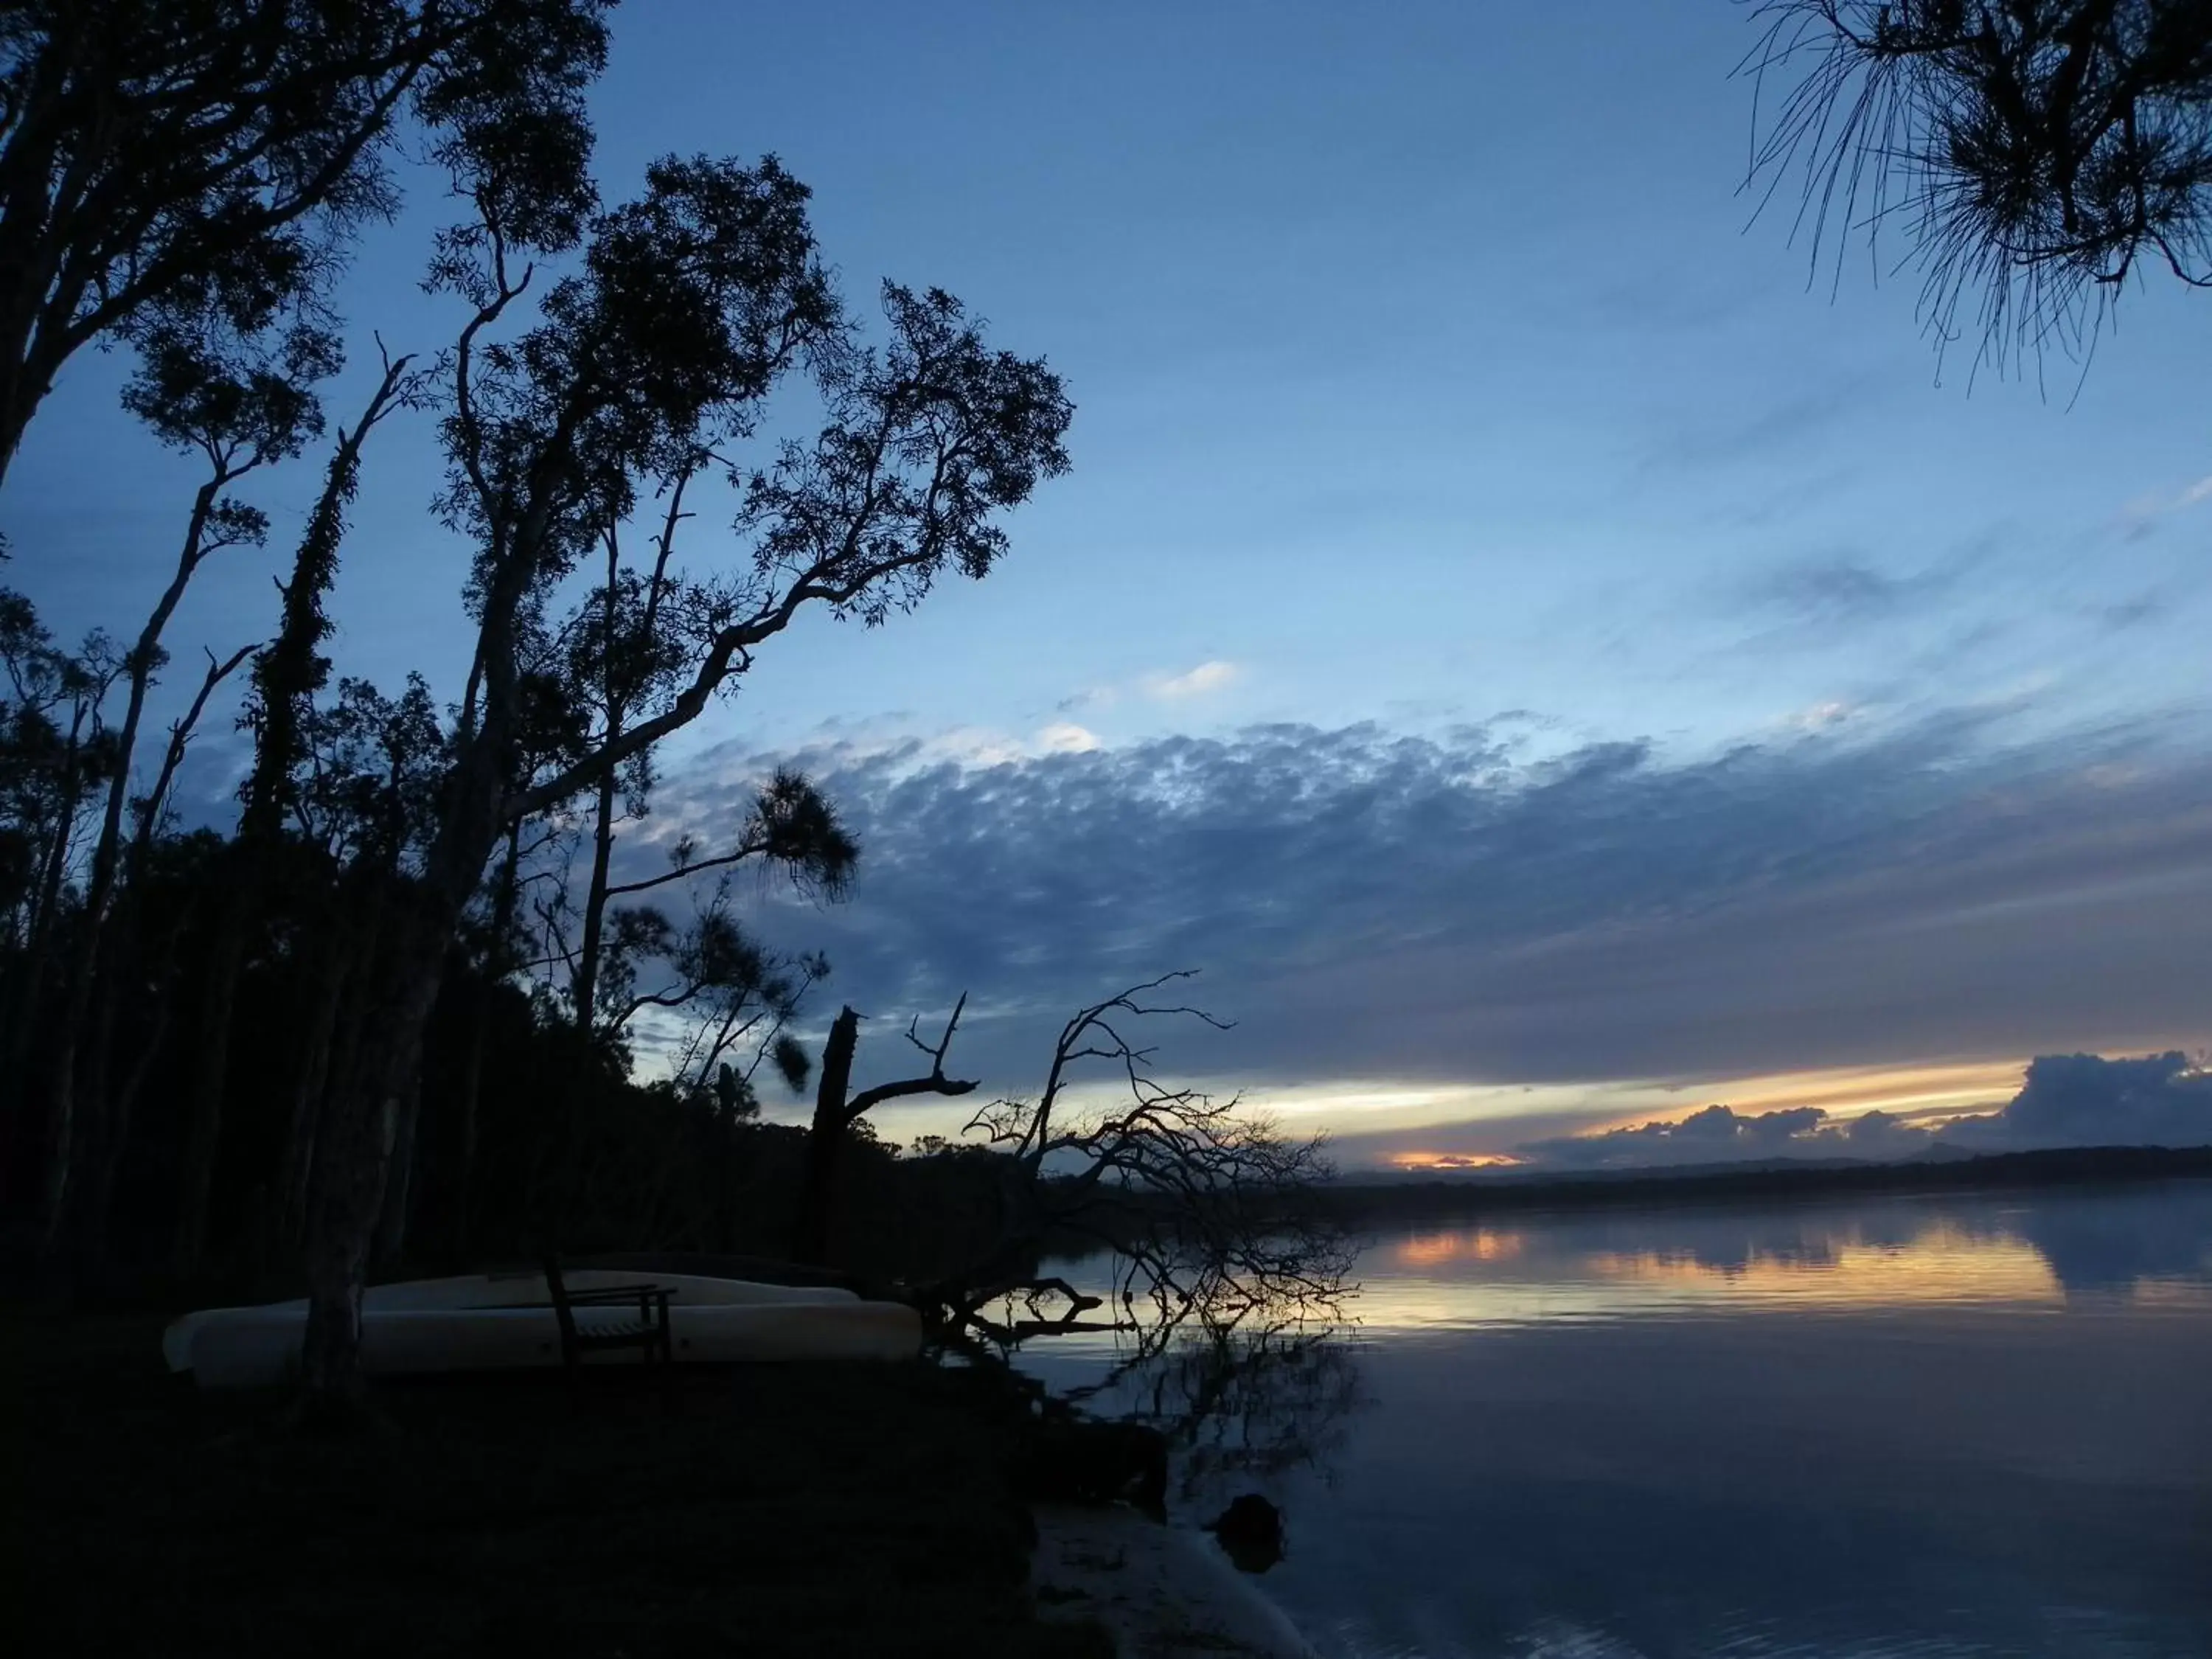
471,1322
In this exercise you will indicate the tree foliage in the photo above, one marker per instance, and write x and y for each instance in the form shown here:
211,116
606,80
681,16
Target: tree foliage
484,1010
168,161
2034,155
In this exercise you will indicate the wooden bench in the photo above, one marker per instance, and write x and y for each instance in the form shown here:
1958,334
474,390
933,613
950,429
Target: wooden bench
648,1331
645,1328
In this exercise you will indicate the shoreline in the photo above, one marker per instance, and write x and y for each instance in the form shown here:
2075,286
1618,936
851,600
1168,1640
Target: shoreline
1159,1591
820,1511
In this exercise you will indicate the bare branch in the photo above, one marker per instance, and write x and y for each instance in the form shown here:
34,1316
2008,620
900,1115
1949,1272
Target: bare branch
180,735
935,1084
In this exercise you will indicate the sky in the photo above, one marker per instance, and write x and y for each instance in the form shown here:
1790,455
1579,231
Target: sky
1551,658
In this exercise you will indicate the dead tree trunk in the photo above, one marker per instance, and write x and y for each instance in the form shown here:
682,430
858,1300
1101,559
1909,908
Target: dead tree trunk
811,1241
834,1115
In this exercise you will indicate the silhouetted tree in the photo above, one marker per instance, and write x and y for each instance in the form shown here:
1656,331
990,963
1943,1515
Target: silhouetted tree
1203,1202
215,157
239,408
59,753
838,1113
689,306
2033,153
287,674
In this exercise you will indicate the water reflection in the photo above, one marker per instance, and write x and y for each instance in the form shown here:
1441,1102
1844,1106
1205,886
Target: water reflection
1242,1409
1962,1427
2017,1252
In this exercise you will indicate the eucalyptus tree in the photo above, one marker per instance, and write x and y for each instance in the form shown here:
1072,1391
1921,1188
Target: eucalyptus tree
238,404
49,723
2034,155
288,672
708,967
58,755
628,642
688,307
219,156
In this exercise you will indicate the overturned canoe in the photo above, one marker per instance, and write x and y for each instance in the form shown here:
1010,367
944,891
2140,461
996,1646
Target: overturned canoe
433,1325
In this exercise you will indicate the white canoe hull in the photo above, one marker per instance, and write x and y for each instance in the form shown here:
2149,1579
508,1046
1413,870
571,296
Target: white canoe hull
435,1325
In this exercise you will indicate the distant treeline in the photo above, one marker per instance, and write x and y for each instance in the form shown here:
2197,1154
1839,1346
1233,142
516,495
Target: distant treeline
1354,1201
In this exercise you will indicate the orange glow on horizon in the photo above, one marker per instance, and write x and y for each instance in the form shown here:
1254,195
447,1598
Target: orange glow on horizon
1922,1095
1452,1160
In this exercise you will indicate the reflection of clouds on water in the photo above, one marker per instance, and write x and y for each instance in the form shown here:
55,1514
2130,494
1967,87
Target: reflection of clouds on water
1613,1434
2035,1248
2110,1243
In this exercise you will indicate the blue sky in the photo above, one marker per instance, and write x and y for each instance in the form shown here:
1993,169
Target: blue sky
1429,384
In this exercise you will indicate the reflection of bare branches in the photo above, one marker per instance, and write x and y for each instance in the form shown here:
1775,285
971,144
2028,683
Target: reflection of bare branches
1202,1201
1247,1400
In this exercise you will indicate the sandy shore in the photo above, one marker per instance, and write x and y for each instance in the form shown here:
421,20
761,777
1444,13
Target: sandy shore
1162,1591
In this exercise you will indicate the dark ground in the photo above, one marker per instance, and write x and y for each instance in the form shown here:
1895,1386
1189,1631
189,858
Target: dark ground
809,1510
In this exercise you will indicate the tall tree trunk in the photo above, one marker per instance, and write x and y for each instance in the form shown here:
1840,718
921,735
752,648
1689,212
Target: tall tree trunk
94,1128
505,897
471,1087
396,986
295,1175
586,983
62,1132
106,858
38,947
399,1186
287,674
210,1075
825,1140
122,1109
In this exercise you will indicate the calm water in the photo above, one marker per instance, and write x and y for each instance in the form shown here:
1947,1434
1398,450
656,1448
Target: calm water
1896,1427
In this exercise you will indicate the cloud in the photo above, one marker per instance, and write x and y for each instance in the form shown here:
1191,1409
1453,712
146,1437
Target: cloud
1066,737
1830,711
2066,1100
1372,907
1207,677
2142,515
1158,687
1836,590
2082,1100
1677,445
1715,1135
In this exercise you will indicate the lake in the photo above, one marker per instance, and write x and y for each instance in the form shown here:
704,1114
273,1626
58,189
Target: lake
1914,1427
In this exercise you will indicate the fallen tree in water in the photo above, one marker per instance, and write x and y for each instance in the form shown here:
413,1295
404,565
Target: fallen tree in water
1207,1207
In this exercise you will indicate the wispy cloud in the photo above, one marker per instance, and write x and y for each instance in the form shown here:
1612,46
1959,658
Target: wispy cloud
1841,589
1728,440
1159,686
2143,515
1207,677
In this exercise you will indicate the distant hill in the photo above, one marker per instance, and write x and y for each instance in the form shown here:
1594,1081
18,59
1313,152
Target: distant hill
1379,1198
